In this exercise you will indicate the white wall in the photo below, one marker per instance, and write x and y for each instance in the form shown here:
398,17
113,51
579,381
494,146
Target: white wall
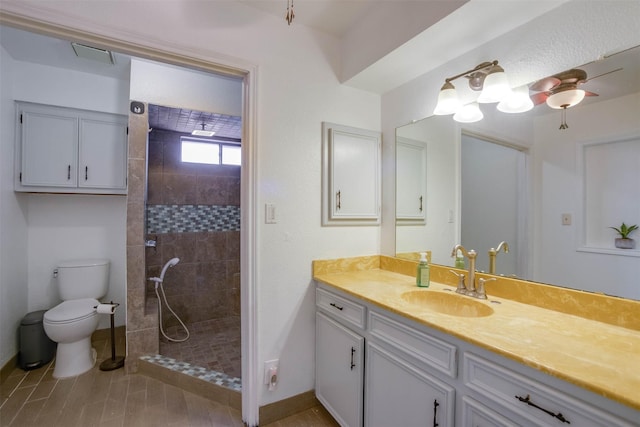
171,86
13,224
64,226
558,190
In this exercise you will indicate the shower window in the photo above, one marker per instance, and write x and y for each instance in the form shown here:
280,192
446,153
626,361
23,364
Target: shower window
195,150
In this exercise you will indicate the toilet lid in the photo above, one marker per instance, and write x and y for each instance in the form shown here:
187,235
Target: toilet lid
71,311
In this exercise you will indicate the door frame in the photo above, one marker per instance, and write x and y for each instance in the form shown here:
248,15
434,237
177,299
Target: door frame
22,17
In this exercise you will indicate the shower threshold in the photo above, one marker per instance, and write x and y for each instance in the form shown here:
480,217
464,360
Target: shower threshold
217,378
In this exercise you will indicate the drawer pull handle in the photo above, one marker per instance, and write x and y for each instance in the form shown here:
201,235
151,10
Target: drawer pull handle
86,173
68,172
420,208
353,365
435,412
333,304
338,200
528,401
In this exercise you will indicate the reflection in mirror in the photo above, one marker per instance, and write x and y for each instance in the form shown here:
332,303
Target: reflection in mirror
555,220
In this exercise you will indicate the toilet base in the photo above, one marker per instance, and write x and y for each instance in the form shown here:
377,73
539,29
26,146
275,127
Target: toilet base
74,358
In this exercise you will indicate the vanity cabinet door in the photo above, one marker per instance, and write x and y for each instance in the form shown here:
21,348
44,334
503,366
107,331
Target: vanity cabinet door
399,394
339,370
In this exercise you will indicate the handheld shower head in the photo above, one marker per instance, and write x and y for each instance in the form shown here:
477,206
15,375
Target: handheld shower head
170,263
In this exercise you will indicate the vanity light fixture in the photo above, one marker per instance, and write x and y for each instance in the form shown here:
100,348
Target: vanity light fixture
518,101
490,80
469,113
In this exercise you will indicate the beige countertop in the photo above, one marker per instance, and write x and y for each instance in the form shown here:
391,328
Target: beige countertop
597,356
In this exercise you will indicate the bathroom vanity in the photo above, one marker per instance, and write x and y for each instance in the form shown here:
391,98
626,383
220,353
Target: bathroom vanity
388,353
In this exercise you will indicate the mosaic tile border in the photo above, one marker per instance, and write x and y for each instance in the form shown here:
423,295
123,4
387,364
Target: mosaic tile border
163,219
214,377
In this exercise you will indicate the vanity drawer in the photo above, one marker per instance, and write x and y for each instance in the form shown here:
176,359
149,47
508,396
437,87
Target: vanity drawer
341,308
554,408
422,347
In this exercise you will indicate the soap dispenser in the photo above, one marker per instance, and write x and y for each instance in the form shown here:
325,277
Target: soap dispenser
422,274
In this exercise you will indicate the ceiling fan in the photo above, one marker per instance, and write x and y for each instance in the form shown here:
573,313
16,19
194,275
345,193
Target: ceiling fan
561,91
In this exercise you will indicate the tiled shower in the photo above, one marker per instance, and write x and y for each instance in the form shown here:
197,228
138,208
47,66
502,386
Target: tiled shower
193,213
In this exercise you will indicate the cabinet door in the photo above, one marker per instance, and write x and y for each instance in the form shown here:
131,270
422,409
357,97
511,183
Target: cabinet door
49,142
339,370
103,153
351,175
411,181
399,394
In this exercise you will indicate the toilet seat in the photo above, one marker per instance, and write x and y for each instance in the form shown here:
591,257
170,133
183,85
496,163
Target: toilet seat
71,311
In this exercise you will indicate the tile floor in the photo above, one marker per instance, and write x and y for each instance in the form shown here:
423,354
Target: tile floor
212,344
99,398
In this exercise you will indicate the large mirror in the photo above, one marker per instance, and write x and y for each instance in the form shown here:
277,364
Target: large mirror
551,194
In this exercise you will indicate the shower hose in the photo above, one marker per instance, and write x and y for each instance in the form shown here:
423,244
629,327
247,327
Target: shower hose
172,312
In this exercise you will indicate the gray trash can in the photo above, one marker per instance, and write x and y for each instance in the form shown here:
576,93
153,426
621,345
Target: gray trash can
36,349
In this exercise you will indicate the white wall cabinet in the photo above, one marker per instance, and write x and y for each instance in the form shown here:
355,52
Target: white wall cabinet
417,376
411,181
64,150
351,170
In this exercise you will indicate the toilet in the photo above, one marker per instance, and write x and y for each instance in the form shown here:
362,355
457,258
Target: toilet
80,283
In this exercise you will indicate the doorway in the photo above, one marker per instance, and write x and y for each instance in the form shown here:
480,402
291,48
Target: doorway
493,202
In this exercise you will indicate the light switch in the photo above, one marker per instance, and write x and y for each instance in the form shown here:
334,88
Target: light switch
270,213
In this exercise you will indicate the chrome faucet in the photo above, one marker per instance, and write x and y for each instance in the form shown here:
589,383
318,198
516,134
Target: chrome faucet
493,253
471,255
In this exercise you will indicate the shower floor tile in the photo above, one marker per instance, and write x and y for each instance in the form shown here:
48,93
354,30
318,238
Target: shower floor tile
213,345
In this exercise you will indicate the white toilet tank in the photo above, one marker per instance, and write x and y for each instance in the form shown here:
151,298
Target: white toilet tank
84,278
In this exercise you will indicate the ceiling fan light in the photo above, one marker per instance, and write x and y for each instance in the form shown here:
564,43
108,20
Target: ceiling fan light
448,101
495,87
518,101
566,98
469,113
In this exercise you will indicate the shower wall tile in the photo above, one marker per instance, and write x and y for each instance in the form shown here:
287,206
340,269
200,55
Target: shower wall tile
192,218
233,245
154,188
179,189
136,179
135,222
180,245
210,246
193,211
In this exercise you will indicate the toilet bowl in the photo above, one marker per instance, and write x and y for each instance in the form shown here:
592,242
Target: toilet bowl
71,324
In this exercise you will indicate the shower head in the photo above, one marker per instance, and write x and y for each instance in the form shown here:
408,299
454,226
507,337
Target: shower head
170,263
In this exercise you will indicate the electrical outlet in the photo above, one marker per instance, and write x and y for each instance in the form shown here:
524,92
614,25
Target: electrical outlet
566,219
271,373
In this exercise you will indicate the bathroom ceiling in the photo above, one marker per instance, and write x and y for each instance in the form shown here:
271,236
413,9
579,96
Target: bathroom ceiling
185,121
334,17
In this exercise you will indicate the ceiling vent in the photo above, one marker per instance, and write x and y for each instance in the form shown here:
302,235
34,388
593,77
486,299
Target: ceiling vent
93,53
